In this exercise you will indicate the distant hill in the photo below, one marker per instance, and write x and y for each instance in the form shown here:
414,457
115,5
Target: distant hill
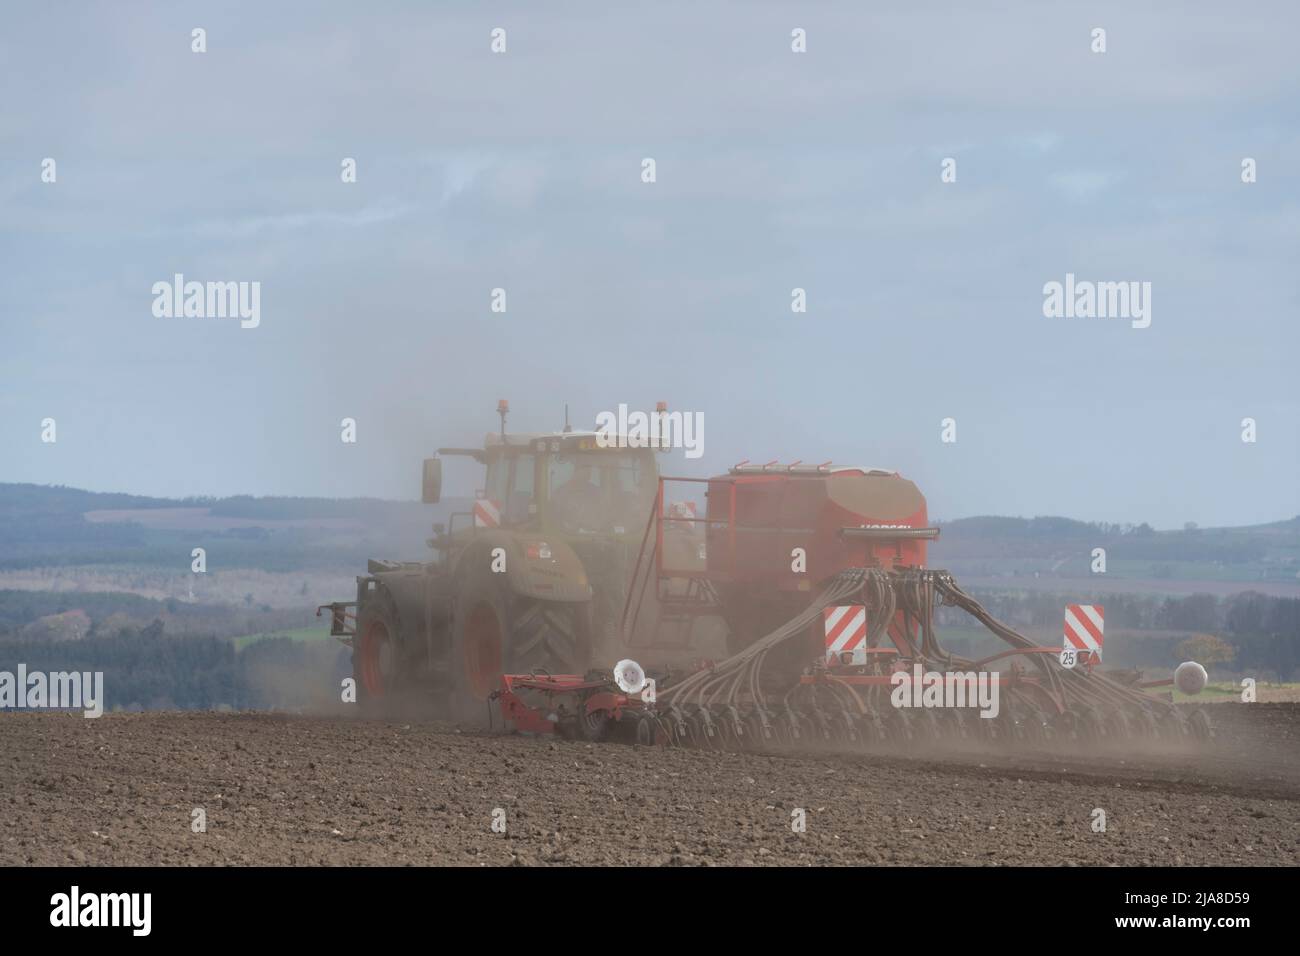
23,501
48,526
58,526
26,500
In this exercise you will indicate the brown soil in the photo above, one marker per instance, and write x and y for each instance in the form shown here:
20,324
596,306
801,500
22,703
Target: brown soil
283,789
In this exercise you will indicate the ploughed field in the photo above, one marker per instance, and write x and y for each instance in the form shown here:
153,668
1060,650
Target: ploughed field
281,789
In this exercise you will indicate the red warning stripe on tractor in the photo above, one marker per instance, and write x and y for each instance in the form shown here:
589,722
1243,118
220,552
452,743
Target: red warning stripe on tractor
846,634
1084,624
487,513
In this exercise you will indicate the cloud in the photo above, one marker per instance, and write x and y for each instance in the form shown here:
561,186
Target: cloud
250,227
776,170
1084,185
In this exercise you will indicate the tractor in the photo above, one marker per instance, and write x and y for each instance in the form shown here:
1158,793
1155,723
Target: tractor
530,579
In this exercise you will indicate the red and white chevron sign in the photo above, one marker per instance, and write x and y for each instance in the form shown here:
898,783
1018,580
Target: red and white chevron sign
846,634
679,515
1083,629
487,513
681,509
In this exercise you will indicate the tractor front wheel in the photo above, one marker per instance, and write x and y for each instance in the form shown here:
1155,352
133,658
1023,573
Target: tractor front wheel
376,665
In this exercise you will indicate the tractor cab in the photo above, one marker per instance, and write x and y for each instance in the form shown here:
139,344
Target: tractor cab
565,484
572,485
584,489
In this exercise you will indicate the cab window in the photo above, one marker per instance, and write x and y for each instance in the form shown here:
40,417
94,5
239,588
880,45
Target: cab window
600,492
519,502
510,483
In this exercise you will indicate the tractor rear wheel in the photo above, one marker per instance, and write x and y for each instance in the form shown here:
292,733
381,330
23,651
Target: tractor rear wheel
497,632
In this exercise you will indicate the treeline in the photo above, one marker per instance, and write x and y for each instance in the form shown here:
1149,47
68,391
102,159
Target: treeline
1247,612
374,510
988,537
27,500
72,542
1263,631
110,611
147,669
994,526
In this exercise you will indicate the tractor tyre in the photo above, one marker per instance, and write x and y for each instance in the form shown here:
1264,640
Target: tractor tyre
376,658
497,632
591,727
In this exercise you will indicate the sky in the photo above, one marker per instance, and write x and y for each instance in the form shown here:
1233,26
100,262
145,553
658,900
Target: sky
774,170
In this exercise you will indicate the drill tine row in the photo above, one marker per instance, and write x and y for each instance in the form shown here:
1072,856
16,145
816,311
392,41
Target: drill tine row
798,728
724,707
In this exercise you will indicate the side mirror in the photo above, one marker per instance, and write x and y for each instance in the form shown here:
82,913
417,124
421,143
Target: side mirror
431,487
